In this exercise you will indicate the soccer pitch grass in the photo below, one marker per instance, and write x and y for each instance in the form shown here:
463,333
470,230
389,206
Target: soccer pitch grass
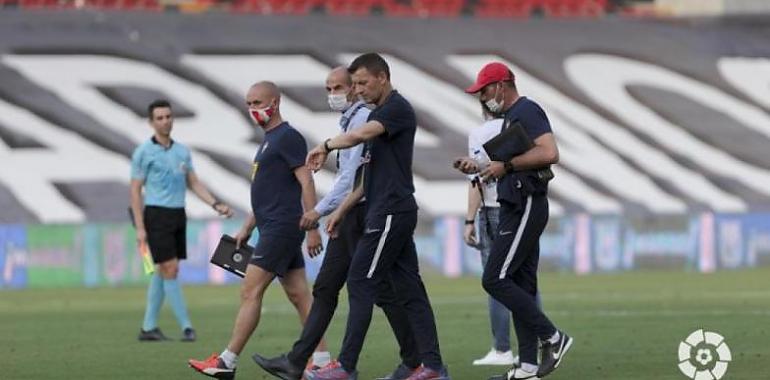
626,326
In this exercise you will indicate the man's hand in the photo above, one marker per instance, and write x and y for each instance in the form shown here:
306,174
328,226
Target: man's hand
223,210
466,165
141,236
309,220
314,244
495,170
316,158
332,222
241,237
469,235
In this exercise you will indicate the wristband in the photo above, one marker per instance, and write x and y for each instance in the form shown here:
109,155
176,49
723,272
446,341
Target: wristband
468,222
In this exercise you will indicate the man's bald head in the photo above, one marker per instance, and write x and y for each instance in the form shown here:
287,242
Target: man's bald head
341,75
339,82
262,94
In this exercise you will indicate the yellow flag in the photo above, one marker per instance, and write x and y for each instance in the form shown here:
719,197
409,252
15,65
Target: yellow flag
149,266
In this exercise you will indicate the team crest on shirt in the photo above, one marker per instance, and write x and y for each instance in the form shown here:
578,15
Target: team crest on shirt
254,168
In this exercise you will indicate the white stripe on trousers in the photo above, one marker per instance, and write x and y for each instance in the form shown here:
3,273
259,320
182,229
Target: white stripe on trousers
517,238
380,246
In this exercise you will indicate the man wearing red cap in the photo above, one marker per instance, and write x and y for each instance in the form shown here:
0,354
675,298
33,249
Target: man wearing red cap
510,275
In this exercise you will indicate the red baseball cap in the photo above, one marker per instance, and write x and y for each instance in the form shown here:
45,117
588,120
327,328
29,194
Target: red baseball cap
492,72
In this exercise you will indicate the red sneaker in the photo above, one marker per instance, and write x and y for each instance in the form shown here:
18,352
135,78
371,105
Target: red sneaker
213,366
425,373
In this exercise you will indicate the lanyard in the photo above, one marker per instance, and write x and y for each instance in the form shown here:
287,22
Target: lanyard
345,123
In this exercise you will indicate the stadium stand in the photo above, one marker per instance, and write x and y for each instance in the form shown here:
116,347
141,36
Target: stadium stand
359,8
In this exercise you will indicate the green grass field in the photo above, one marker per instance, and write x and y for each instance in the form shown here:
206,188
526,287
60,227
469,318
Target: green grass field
626,326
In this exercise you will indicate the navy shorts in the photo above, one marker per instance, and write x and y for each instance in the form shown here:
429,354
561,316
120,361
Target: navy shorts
278,254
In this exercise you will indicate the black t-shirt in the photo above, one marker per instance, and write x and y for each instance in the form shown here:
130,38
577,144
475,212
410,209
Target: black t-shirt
276,195
511,186
388,184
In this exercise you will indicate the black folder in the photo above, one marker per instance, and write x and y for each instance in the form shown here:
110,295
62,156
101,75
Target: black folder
509,143
231,259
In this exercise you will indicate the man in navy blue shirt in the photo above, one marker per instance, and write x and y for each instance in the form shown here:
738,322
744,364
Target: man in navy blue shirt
342,243
510,275
387,247
281,188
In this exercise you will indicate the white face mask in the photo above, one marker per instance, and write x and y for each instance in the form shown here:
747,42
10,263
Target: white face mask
338,102
493,105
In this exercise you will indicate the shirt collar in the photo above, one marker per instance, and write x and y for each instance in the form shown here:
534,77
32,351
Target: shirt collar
352,107
155,141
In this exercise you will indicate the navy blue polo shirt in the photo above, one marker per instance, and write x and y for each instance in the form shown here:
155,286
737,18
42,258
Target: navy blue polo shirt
511,187
388,184
276,195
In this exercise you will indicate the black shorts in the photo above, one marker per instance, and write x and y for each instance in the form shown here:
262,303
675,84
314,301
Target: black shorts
278,254
166,233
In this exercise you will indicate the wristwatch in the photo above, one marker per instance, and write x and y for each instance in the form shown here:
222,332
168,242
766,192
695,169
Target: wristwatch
469,222
326,146
508,166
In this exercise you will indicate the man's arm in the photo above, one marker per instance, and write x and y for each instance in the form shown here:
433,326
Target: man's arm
474,203
247,228
349,163
336,217
317,156
137,205
204,194
305,179
544,153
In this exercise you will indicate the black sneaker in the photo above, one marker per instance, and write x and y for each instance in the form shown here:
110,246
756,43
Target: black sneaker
551,354
188,335
153,335
279,366
400,373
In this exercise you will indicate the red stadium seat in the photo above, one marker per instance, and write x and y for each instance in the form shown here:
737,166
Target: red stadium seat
423,8
39,4
352,7
440,8
504,8
573,8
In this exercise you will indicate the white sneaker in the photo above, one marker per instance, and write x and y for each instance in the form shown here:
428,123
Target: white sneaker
495,357
520,374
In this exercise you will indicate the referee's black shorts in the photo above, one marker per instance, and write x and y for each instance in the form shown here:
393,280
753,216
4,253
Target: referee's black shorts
166,233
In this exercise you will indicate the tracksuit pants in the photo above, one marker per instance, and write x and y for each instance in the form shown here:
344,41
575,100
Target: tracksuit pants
510,274
385,252
326,290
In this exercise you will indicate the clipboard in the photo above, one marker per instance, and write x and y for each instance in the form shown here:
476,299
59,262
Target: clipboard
233,260
509,143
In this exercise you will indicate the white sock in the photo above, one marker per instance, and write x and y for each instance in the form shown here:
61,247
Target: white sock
321,359
555,338
230,358
531,368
